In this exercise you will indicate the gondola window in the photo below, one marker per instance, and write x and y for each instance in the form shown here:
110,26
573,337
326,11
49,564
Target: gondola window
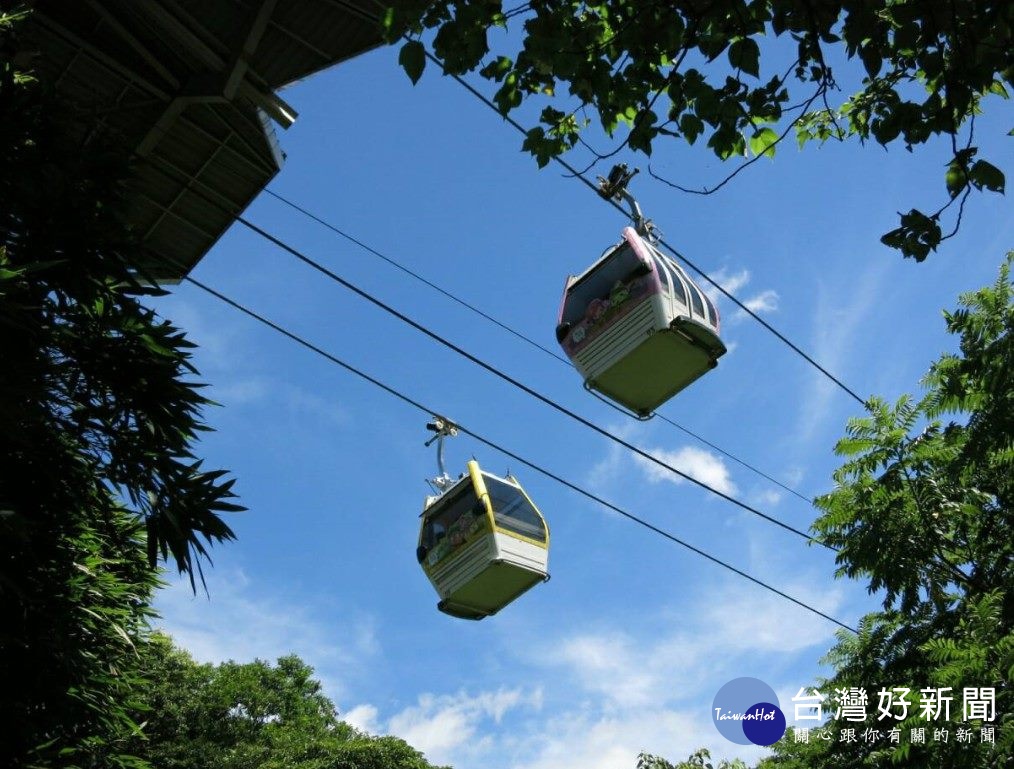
512,510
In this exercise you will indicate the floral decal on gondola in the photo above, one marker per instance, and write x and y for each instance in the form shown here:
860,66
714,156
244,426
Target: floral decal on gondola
463,531
602,312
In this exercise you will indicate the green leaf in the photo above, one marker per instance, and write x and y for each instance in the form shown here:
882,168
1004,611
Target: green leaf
413,59
744,54
957,179
763,142
497,69
508,96
628,116
643,132
706,104
983,174
691,126
916,237
872,60
538,145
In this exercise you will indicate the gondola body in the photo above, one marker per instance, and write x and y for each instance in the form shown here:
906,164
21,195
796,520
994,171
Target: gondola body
482,543
636,327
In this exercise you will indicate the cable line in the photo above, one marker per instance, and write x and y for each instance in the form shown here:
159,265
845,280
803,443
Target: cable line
516,383
397,265
728,294
516,457
506,377
592,186
504,326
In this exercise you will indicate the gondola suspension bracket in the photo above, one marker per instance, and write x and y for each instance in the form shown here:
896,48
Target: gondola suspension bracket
615,188
443,428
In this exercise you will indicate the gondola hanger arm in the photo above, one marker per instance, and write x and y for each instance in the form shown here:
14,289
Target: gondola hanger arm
615,188
444,428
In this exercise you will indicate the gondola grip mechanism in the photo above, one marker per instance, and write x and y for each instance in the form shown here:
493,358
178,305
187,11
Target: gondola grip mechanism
443,428
615,188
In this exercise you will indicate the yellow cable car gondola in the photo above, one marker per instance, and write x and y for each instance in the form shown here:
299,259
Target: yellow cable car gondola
482,541
634,324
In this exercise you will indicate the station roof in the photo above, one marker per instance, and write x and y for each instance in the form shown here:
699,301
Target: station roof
190,89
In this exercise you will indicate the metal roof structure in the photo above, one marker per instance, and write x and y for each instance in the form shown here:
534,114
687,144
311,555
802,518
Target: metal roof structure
189,87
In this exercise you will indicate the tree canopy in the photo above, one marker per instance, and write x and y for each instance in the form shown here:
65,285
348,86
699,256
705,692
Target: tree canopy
250,715
699,759
98,418
738,75
923,509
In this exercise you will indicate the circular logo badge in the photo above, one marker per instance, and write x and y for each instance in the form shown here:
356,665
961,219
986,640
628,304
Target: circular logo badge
746,711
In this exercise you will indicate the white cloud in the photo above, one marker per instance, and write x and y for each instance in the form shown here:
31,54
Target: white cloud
697,463
611,467
730,281
448,728
303,402
765,301
615,692
587,741
610,666
744,619
362,717
218,341
668,664
767,497
241,392
260,391
793,476
608,469
837,320
228,369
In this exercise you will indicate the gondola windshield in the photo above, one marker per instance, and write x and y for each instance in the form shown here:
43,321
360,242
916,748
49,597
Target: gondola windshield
618,268
513,511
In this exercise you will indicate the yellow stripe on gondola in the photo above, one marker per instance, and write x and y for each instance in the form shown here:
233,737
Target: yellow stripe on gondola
480,492
545,526
479,485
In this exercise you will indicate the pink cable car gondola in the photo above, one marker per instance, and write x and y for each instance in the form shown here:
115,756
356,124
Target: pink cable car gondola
635,326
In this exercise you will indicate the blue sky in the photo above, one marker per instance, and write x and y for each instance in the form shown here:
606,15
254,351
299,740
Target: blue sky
625,648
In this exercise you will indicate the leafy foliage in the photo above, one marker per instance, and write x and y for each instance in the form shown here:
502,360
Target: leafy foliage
700,759
74,596
91,373
686,69
251,716
97,418
923,510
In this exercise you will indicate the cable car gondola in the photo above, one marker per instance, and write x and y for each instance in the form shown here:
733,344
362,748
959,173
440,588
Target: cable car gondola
482,541
634,324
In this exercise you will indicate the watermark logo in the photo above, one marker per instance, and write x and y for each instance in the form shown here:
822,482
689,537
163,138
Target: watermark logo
746,711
